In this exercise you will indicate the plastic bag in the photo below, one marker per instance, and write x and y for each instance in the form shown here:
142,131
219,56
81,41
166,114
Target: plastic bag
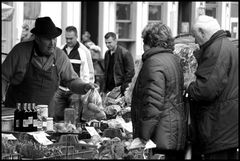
92,106
92,96
114,97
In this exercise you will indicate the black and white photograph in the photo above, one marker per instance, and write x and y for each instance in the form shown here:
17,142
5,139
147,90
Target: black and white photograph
120,80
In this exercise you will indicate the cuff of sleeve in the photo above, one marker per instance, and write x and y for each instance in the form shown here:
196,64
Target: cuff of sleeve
147,128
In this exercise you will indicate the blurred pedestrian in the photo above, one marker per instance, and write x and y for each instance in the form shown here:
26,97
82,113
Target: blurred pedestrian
157,111
119,65
86,39
98,62
215,91
26,34
63,97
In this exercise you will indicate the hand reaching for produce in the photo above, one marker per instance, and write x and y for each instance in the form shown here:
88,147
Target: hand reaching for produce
89,86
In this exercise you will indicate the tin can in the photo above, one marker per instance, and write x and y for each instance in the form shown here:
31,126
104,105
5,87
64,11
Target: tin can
69,116
42,110
49,124
7,124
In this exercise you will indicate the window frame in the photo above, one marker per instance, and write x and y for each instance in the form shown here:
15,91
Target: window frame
156,4
130,21
212,5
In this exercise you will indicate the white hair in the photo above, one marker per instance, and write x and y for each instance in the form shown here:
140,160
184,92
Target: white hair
207,23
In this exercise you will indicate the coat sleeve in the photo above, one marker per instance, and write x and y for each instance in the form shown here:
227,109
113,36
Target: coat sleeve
89,62
15,65
211,78
84,69
129,66
153,98
67,73
129,70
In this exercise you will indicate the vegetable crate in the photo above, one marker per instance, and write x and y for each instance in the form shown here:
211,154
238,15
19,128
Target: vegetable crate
141,153
77,155
11,157
74,151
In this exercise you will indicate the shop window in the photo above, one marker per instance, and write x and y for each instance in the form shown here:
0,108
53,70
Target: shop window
123,30
234,21
211,9
154,12
234,9
124,24
123,20
31,10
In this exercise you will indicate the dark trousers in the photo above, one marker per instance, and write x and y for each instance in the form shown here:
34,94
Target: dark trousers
228,154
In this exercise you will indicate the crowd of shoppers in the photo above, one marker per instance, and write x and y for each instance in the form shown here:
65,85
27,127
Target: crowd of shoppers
38,71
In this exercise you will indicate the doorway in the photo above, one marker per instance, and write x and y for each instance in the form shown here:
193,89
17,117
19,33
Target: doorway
185,13
90,19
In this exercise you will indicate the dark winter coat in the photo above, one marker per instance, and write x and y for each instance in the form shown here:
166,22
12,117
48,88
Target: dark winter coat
123,68
215,94
157,101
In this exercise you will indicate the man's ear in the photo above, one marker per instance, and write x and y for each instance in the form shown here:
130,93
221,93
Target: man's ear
200,30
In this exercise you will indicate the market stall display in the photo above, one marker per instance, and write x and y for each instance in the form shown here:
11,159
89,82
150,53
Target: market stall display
185,47
106,130
92,106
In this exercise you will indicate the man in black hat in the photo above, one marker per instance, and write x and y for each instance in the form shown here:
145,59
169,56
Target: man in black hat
32,70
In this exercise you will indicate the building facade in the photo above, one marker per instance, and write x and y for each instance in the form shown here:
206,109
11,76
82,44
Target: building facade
127,19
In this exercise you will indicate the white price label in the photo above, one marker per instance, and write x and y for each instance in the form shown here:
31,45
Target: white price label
92,131
40,136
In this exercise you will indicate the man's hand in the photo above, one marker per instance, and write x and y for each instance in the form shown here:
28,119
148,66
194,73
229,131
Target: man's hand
89,86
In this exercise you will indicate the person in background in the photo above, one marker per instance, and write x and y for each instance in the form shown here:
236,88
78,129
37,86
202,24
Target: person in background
32,70
63,97
157,108
26,34
98,61
98,65
95,50
89,59
214,93
118,64
86,39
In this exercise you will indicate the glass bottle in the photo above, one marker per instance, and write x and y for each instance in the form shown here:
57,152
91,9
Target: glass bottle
25,118
35,117
16,123
30,117
69,115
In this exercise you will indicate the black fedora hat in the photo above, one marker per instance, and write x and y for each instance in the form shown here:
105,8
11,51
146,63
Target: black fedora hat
46,28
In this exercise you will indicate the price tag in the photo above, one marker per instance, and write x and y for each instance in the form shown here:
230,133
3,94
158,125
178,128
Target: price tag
9,136
92,131
41,137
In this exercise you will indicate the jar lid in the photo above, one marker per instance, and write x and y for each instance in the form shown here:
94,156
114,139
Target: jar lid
43,106
49,118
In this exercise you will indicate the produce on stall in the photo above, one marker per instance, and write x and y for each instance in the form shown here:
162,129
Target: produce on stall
185,47
110,116
92,106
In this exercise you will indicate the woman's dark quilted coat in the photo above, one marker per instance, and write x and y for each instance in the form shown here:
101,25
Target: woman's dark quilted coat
157,101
